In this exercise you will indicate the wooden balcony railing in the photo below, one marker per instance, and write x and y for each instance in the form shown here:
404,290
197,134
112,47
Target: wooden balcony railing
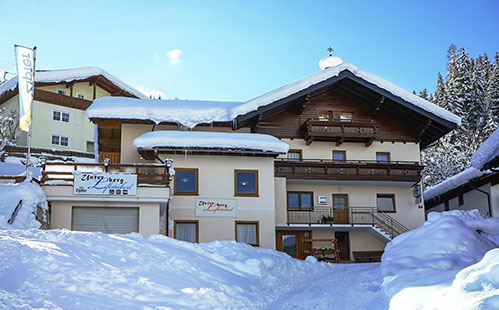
340,131
352,216
147,174
348,170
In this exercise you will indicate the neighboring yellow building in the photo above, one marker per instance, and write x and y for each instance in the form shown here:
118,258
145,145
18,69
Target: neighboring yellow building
332,156
60,100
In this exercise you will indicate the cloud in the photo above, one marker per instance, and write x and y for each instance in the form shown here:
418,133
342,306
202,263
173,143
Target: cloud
155,94
174,56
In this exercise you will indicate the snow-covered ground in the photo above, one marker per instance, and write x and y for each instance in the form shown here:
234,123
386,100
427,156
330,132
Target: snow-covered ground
444,264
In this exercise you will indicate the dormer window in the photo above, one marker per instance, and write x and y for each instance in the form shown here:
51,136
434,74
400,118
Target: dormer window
346,116
325,115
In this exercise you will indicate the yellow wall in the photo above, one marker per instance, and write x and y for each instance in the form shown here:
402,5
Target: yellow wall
80,130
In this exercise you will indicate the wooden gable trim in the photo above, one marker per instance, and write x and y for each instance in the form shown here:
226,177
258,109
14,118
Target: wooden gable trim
61,100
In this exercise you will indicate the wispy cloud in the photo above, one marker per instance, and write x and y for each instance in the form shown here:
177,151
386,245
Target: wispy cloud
174,56
152,93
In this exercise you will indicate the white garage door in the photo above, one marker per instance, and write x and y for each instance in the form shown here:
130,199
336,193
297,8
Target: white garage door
106,220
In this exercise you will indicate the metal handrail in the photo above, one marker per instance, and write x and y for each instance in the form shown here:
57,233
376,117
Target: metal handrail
375,218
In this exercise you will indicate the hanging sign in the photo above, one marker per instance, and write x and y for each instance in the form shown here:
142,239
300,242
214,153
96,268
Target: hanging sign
101,183
216,207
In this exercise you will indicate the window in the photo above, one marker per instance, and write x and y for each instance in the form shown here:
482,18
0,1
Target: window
61,91
186,181
386,202
325,116
300,200
382,157
80,96
339,156
186,230
247,232
294,155
59,140
346,116
90,147
60,116
245,182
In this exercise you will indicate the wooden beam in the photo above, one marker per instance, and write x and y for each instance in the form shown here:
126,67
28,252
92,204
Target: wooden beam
303,104
256,122
340,141
423,127
369,142
377,106
70,84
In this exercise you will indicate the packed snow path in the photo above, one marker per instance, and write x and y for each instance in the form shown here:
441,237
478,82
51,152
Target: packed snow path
345,286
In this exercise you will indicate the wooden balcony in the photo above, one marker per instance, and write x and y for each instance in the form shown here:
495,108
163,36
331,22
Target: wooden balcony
56,173
361,170
340,131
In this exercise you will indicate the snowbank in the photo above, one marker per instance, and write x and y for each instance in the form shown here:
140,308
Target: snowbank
453,182
76,270
201,139
32,197
430,257
488,151
68,75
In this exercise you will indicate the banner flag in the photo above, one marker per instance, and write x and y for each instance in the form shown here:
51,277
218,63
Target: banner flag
25,62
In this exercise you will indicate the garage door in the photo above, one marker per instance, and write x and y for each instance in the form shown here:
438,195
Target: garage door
106,220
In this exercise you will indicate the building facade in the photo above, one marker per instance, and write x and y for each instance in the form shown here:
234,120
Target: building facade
60,100
332,156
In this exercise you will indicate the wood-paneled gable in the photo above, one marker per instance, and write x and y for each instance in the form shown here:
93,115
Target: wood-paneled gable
289,123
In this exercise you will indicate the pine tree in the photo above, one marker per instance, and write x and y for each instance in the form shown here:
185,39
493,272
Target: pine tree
441,93
493,90
424,94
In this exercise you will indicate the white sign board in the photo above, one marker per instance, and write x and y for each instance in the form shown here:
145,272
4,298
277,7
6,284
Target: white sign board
101,183
216,207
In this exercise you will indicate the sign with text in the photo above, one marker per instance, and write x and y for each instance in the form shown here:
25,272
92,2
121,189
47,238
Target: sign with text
216,207
25,63
101,183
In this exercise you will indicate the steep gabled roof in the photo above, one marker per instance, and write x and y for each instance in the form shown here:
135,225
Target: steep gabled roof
487,155
71,75
362,83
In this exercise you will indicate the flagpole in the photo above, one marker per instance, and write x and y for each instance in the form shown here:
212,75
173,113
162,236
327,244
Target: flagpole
28,155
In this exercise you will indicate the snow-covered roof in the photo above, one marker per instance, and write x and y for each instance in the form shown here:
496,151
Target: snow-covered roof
487,152
68,75
453,182
320,76
188,113
210,140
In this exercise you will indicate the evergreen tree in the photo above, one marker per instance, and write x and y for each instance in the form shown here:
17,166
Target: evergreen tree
493,90
424,94
441,93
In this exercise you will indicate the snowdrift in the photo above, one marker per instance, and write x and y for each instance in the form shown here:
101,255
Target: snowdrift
32,196
76,270
431,261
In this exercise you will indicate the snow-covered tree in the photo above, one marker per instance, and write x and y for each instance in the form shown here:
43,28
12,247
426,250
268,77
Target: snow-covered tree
9,124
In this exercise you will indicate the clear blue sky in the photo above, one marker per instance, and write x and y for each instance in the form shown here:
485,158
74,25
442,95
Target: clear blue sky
237,50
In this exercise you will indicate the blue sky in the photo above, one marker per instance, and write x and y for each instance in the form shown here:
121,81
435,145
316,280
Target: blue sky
237,50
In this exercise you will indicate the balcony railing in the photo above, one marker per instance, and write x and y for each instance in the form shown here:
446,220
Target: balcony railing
340,131
147,174
348,170
350,216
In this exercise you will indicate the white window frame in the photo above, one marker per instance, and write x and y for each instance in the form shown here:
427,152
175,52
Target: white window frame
80,94
61,90
60,120
60,139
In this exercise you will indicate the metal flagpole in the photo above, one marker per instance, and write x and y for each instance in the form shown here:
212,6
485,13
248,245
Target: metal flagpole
28,155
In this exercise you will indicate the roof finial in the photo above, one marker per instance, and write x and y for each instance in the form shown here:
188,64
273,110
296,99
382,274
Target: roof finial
330,50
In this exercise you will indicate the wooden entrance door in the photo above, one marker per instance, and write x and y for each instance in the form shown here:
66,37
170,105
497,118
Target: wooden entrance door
343,243
295,243
340,209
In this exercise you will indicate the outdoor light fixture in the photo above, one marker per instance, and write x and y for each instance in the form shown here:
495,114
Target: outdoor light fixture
168,162
106,162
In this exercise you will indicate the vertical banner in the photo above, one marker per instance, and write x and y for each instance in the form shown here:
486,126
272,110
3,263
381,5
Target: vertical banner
25,62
